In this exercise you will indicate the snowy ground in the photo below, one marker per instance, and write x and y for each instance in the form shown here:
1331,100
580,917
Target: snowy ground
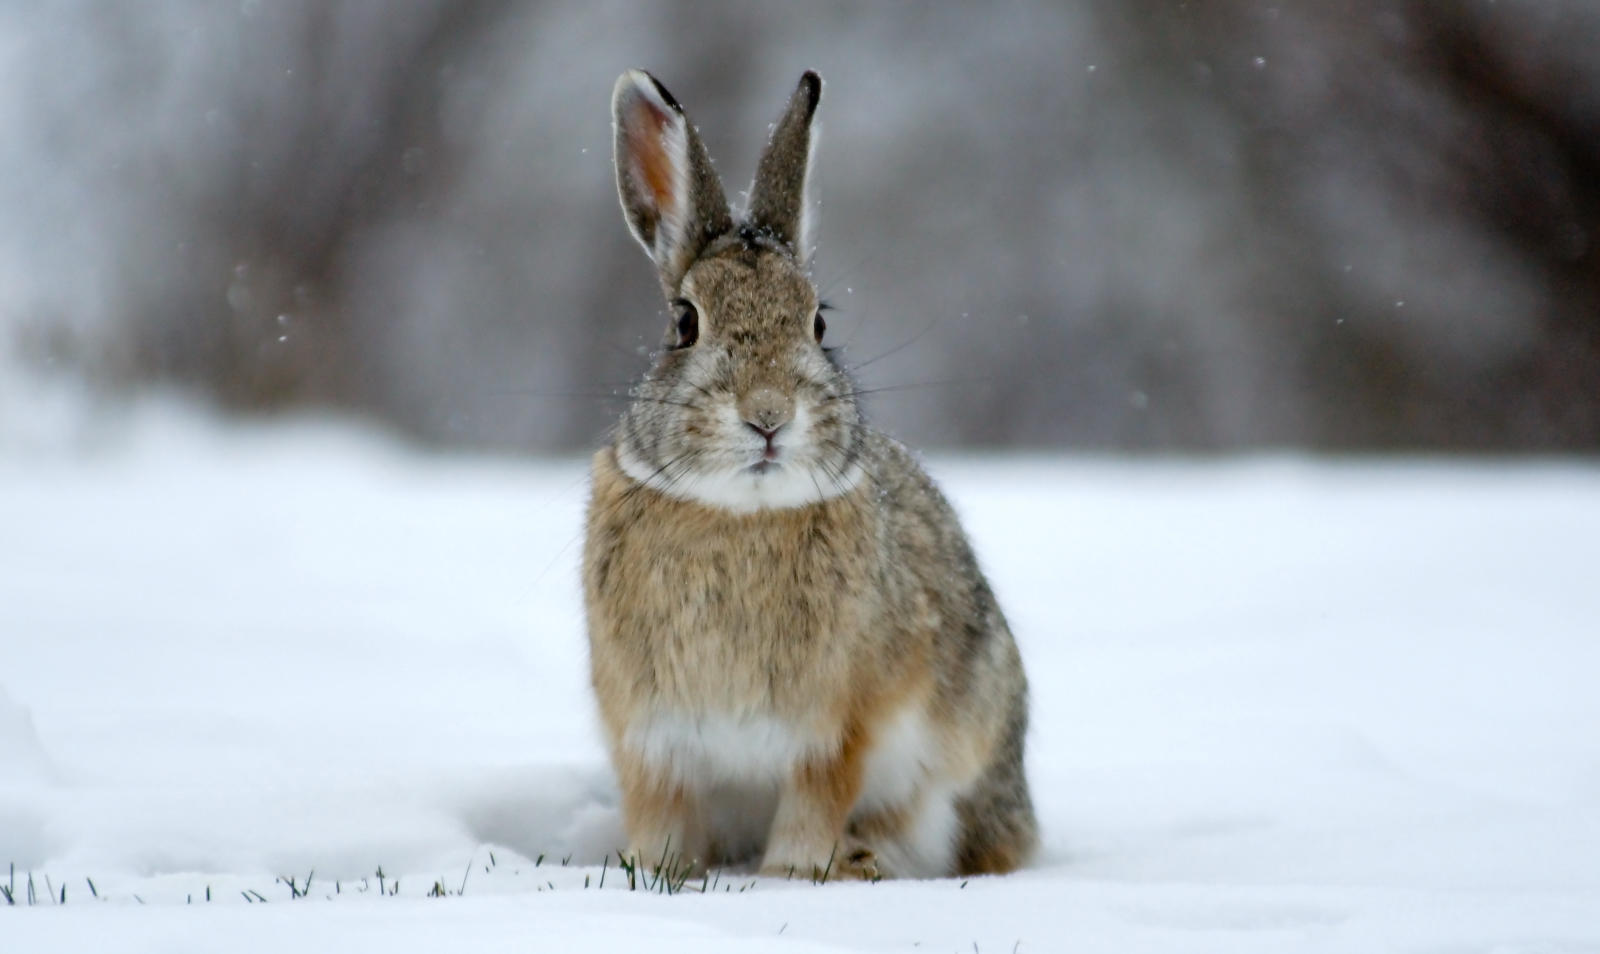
1279,706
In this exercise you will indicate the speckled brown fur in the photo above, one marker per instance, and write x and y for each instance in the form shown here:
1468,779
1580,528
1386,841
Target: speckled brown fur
849,634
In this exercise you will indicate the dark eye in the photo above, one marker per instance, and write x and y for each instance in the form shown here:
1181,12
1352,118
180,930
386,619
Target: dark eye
687,325
818,326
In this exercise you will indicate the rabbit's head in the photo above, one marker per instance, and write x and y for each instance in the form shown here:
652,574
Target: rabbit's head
743,408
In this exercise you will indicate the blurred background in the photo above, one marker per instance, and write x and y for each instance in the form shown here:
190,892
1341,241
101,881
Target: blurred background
1101,225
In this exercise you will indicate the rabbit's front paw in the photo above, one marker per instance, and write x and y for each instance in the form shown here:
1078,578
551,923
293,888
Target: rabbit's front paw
861,864
851,861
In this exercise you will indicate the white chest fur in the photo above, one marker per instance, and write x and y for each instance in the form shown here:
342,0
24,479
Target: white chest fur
751,748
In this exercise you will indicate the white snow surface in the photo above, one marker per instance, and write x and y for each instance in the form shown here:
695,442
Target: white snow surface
1278,705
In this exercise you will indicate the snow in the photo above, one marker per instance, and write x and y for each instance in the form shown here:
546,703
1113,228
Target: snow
1279,704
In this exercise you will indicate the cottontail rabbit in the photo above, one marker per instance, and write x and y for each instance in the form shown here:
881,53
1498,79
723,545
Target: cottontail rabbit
794,650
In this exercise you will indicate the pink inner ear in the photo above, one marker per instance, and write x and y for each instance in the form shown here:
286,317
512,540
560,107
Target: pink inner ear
647,147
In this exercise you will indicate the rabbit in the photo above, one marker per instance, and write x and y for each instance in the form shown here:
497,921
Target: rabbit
794,652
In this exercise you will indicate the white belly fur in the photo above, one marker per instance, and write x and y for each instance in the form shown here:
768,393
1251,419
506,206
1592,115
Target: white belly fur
761,748
717,748
740,761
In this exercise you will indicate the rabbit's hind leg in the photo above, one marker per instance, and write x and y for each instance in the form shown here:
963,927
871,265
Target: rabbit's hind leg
914,839
998,828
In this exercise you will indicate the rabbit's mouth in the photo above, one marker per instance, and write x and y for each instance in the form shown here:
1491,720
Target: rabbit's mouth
745,487
740,470
772,457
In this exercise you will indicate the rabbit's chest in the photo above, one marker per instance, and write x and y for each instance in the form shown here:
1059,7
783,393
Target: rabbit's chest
757,620
733,629
742,612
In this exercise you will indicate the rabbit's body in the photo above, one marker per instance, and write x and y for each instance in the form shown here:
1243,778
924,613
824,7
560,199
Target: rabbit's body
793,648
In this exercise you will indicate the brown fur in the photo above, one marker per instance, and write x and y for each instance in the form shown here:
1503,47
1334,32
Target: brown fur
850,637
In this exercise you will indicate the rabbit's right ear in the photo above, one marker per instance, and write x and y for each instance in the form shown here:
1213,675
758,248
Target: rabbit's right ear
670,194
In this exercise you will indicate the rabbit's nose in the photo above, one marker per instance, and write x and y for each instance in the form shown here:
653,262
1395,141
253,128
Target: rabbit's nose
766,410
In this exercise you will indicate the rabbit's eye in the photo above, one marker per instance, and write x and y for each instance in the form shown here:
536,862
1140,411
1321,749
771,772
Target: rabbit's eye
818,326
688,324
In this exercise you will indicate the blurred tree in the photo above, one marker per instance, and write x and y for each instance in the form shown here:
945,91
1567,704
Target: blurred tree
1156,225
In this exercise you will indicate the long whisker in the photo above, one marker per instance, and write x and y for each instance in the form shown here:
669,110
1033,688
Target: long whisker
837,472
620,396
812,473
834,474
837,279
667,401
936,322
663,472
909,386
608,387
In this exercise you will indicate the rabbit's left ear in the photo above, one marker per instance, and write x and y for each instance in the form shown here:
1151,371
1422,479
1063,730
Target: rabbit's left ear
670,194
780,204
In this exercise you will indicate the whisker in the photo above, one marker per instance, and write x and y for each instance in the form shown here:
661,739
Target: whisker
812,473
837,280
619,396
662,471
934,323
909,386
667,401
834,474
847,452
609,387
